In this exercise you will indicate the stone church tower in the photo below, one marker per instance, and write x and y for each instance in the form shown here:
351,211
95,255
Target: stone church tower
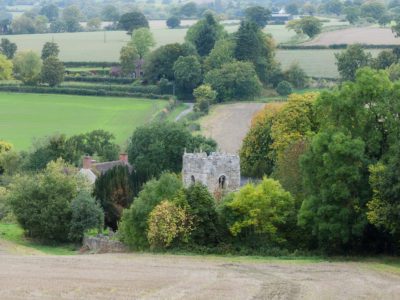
217,171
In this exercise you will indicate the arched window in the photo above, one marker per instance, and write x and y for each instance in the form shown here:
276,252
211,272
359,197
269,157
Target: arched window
193,179
222,182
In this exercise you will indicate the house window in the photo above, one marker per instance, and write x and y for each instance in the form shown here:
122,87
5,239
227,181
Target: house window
193,179
222,182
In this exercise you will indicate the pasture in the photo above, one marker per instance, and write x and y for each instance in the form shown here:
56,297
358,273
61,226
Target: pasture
24,117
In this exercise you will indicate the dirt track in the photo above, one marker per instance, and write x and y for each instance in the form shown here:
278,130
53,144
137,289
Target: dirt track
362,35
229,123
145,276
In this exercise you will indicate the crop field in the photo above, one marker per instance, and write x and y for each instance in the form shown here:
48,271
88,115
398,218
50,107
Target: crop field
318,63
24,117
363,35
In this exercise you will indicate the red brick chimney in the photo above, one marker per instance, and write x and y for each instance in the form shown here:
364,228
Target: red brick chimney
87,162
123,157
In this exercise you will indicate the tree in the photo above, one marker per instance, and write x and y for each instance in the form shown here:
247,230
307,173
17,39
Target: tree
256,154
187,73
334,7
258,15
86,215
94,24
71,16
50,49
357,129
114,191
234,81
142,40
110,13
350,60
222,53
309,9
260,211
173,22
296,121
160,63
384,20
134,223
23,25
373,9
296,76
58,26
204,34
27,67
292,8
50,11
255,46
168,223
41,24
131,21
284,88
42,202
205,96
352,14
384,60
310,26
128,58
159,147
6,68
205,218
4,148
189,9
8,48
52,71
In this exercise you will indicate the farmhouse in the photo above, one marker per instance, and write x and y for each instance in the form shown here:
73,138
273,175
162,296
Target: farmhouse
91,169
217,171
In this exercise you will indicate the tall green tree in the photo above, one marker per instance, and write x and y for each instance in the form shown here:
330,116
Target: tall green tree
114,191
350,60
188,75
204,34
255,46
6,68
258,15
8,48
132,21
52,71
27,67
71,16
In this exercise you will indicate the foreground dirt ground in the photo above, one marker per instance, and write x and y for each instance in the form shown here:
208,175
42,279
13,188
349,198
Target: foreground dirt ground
145,276
229,123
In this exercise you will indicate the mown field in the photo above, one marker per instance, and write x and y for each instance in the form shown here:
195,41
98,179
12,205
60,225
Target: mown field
105,46
24,117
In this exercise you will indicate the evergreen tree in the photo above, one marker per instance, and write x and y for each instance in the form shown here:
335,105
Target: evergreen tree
114,192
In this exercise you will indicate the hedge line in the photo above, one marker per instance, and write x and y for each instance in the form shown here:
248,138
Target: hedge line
120,80
75,91
97,64
143,89
333,46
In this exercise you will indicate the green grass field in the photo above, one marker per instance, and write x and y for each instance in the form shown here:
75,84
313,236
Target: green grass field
24,117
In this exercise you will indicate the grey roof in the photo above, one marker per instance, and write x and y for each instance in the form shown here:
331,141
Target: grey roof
105,166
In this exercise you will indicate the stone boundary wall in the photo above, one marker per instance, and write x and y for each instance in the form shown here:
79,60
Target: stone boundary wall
103,244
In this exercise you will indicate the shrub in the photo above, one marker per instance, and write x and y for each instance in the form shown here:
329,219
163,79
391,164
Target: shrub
27,67
173,22
205,96
168,223
86,215
296,76
134,222
284,88
258,213
205,218
5,209
42,202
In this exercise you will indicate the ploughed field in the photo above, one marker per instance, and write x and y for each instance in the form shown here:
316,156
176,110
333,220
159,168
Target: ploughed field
362,35
25,117
145,276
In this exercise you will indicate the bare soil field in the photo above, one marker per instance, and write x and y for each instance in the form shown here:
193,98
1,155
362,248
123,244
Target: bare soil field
228,124
363,35
146,276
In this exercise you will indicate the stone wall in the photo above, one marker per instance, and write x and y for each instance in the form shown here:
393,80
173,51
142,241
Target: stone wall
216,171
103,244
